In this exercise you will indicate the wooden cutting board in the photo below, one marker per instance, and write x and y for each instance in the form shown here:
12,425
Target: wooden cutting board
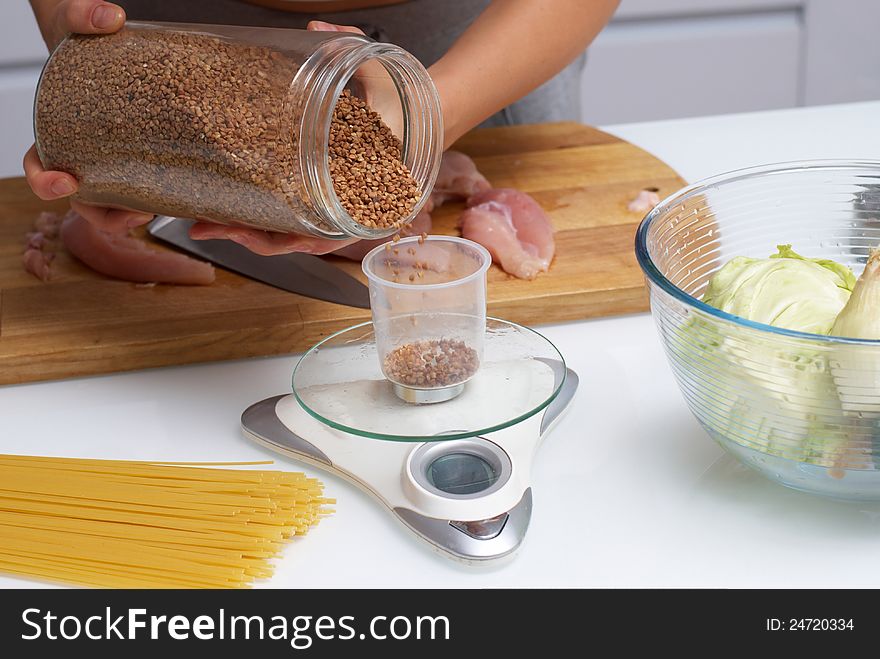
82,323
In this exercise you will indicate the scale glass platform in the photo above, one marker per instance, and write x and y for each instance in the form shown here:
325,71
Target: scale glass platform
457,472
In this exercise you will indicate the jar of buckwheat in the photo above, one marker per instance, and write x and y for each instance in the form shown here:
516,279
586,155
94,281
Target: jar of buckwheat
321,133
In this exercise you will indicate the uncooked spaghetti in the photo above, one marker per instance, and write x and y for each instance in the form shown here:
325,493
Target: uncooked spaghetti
127,524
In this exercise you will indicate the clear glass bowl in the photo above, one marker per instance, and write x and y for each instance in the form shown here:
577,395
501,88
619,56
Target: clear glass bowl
802,409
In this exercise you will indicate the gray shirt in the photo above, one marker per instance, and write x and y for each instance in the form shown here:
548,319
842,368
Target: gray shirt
426,28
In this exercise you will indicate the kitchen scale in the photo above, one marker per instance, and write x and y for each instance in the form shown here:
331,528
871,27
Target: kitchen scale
457,472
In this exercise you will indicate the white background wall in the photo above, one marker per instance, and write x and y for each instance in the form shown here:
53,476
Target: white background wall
22,52
663,59
658,59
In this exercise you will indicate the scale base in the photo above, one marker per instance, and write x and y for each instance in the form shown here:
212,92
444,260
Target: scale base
474,543
474,527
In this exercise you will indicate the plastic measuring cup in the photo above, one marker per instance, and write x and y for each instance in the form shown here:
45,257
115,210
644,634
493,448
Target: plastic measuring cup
428,300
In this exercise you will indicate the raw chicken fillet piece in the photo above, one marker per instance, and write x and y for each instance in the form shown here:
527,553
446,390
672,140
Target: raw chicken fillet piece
644,201
38,255
38,263
125,257
514,228
457,179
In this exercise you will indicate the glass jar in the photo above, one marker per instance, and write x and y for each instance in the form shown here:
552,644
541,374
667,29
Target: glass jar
240,125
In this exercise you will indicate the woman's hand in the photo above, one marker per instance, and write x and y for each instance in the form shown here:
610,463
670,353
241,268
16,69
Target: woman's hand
49,185
56,20
269,243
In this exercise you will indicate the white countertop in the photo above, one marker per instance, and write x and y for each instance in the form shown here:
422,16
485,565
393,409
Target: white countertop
628,489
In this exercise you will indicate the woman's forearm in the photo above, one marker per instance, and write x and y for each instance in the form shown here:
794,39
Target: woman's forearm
513,47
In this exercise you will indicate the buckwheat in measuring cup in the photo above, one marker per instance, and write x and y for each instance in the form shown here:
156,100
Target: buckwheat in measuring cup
428,301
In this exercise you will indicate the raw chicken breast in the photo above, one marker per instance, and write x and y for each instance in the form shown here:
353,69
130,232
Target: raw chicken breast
38,249
357,251
458,179
36,240
48,224
644,201
514,228
37,262
125,257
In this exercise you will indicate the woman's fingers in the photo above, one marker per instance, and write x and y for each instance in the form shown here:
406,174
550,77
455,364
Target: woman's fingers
111,220
49,185
83,17
88,17
321,26
266,243
45,184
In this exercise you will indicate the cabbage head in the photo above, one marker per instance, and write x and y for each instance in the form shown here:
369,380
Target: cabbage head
777,400
785,290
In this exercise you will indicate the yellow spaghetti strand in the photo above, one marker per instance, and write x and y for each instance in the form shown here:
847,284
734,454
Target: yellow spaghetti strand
137,524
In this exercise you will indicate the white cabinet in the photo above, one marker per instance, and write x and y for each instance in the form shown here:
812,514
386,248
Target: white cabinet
22,53
16,126
842,51
661,59
661,69
20,41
